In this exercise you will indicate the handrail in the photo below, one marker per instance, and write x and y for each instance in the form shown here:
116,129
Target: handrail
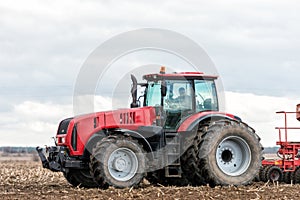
285,128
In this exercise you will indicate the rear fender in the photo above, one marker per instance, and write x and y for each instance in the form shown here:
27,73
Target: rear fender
193,121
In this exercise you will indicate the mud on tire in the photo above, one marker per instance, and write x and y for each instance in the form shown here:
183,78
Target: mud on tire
118,161
230,153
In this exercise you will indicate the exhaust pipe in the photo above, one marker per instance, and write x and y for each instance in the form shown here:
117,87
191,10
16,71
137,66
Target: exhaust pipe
134,103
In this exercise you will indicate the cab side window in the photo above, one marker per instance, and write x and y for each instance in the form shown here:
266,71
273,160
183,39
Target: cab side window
206,96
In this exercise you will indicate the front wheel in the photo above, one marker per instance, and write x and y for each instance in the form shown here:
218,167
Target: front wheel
80,178
118,161
230,154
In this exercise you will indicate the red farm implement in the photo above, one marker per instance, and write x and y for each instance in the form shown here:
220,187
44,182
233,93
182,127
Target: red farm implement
287,167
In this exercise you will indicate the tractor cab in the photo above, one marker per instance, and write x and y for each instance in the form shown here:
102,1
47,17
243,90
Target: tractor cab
180,95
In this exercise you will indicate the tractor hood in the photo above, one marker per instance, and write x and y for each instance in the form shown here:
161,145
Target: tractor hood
79,129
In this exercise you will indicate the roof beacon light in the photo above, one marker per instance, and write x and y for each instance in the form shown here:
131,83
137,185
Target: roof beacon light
162,70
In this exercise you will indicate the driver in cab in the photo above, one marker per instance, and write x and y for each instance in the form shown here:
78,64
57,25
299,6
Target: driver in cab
183,101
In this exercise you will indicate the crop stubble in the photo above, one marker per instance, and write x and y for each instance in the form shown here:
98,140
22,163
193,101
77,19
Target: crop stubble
28,180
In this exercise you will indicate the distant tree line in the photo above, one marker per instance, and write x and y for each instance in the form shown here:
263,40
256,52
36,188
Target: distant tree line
270,150
17,149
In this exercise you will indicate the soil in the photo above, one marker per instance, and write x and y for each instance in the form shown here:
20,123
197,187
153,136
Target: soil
28,180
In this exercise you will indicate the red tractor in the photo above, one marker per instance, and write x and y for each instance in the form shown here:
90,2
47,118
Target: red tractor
287,167
177,137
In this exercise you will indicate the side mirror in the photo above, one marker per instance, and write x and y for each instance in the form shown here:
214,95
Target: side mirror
163,89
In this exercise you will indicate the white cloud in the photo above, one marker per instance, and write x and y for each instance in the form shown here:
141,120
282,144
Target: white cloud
41,111
259,112
31,123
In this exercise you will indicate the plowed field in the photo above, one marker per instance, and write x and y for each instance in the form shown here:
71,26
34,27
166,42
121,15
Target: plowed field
28,180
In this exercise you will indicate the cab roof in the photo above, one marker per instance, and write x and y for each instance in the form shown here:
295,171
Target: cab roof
178,75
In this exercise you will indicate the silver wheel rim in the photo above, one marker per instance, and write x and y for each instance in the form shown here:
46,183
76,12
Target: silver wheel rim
233,156
122,164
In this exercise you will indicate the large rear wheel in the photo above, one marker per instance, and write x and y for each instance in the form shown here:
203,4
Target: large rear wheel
118,161
230,153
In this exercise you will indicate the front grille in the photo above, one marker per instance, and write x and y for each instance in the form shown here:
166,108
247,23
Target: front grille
63,126
74,138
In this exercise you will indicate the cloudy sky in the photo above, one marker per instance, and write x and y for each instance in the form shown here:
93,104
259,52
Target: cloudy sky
255,46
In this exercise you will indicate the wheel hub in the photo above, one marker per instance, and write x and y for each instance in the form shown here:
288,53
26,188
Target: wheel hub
227,155
119,164
122,164
233,156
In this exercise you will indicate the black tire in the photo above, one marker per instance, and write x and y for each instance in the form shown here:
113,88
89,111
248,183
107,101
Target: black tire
156,177
274,174
297,175
230,153
263,173
257,177
80,178
287,177
111,159
190,166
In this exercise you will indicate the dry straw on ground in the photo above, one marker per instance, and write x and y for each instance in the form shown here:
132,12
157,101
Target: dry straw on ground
28,180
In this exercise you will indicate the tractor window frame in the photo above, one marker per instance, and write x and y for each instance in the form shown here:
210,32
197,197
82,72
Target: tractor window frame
206,98
173,94
153,92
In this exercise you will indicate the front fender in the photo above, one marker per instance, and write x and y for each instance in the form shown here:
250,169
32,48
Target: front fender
96,137
137,136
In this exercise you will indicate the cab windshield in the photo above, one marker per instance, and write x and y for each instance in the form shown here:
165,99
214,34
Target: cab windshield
183,98
181,95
